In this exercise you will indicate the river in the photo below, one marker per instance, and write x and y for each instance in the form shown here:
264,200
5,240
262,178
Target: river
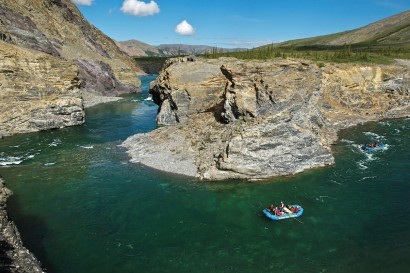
81,207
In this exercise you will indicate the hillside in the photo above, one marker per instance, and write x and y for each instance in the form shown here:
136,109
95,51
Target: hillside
394,30
51,59
136,48
58,28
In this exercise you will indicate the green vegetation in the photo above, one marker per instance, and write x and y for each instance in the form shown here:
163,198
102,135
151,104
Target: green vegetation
380,42
359,53
150,65
151,59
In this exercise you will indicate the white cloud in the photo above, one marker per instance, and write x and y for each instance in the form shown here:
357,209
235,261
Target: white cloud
140,8
83,2
184,28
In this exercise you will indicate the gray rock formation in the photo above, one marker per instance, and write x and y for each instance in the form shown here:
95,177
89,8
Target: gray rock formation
98,77
58,28
14,257
255,119
37,91
47,52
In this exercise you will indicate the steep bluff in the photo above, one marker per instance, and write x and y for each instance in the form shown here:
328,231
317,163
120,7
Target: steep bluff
255,119
58,28
48,51
14,257
37,91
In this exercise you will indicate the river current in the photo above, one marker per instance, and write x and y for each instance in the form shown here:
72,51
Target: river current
81,207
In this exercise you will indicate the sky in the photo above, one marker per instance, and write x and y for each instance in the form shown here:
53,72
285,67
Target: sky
232,23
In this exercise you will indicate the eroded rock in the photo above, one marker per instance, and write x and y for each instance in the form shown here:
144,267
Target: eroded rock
37,91
257,119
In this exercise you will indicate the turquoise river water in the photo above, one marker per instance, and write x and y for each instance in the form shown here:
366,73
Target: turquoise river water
81,207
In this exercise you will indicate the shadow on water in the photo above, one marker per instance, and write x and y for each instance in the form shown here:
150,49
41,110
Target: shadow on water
5,261
32,230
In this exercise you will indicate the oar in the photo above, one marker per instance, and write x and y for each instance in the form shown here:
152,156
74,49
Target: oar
298,220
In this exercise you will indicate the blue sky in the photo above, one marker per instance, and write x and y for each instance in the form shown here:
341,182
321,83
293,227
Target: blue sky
232,23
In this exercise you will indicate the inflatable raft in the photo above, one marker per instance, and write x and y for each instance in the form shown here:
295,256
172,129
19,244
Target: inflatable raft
284,215
371,149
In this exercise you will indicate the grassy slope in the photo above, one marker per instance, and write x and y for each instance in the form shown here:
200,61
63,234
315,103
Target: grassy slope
380,42
394,30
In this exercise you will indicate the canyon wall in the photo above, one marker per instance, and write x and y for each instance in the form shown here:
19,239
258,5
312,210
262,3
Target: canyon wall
48,52
37,91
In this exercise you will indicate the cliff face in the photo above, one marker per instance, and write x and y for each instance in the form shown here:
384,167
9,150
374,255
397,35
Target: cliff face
14,257
47,52
57,27
252,119
37,91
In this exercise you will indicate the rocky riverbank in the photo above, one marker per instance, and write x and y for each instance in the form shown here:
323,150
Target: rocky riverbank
38,91
228,118
48,53
14,257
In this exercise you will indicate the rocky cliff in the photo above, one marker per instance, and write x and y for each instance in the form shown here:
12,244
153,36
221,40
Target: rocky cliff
48,51
255,119
14,257
58,28
37,91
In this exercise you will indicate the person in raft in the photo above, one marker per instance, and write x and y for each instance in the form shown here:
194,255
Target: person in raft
293,209
282,206
274,210
372,145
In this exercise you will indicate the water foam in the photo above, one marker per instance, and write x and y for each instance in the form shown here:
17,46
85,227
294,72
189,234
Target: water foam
55,143
10,160
346,141
385,123
374,135
362,165
367,177
87,147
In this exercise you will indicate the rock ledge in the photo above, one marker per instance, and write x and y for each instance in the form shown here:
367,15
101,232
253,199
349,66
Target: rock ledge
228,118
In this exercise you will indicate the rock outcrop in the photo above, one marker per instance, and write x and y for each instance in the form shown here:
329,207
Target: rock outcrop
48,51
37,91
257,119
14,257
58,28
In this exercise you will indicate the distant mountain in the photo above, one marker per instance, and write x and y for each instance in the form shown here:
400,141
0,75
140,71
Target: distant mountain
136,48
394,30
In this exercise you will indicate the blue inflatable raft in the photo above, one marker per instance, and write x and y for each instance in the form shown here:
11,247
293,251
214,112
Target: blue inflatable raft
372,149
284,215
